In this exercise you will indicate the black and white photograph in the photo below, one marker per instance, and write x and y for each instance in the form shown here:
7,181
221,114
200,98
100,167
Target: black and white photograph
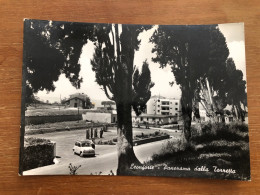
135,100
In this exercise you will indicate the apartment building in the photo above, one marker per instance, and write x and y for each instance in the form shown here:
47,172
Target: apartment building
159,105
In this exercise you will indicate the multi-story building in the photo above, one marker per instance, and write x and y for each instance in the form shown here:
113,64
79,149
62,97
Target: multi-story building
159,105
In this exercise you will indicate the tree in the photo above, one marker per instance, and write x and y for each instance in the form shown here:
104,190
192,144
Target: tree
236,90
108,104
193,60
88,103
49,51
113,64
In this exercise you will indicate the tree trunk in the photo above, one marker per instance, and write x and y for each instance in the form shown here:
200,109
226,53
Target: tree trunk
186,104
126,155
207,100
196,111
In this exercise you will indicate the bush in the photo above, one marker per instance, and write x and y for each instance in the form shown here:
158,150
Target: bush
35,141
156,133
220,131
240,127
37,153
115,139
105,142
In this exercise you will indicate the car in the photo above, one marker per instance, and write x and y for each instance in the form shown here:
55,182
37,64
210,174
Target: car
84,148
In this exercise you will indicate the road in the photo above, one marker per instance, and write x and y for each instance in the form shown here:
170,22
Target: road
104,161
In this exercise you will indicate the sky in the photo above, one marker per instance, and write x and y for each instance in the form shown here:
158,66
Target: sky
234,33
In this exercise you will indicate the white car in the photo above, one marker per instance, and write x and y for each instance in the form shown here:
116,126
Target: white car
84,148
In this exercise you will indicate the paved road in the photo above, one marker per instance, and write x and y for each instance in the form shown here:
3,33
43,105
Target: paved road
104,161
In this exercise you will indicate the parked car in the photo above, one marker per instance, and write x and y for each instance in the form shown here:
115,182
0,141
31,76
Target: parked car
84,148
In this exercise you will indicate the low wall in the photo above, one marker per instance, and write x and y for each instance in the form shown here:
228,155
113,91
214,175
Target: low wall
151,139
38,155
35,120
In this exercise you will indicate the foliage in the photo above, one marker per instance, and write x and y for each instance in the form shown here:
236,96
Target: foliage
224,147
52,48
113,62
220,131
236,89
192,59
88,103
73,169
200,67
141,88
35,141
37,153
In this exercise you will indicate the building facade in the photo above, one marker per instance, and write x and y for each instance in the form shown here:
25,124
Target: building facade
159,105
153,119
77,100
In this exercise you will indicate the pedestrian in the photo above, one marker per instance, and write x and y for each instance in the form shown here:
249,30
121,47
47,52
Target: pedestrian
101,132
91,133
95,133
87,134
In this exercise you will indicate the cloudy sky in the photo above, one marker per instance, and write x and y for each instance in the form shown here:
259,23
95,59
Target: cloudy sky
234,34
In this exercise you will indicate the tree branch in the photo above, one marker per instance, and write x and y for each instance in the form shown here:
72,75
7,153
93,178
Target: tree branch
106,92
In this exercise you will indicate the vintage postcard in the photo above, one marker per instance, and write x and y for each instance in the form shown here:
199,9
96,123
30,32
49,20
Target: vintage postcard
140,100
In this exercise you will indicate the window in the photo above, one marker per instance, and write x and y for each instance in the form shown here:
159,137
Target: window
176,108
158,105
165,103
176,114
158,100
176,103
147,119
158,110
141,118
165,108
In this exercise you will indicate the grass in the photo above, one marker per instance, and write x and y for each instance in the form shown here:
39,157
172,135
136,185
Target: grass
224,146
59,125
50,110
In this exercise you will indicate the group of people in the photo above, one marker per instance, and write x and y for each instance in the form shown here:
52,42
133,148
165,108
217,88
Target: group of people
93,133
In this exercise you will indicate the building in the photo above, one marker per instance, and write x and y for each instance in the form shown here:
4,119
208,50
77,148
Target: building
153,119
205,118
77,100
158,105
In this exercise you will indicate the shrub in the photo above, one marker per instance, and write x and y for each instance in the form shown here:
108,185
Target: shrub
156,133
37,153
220,131
240,127
115,139
73,169
35,141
